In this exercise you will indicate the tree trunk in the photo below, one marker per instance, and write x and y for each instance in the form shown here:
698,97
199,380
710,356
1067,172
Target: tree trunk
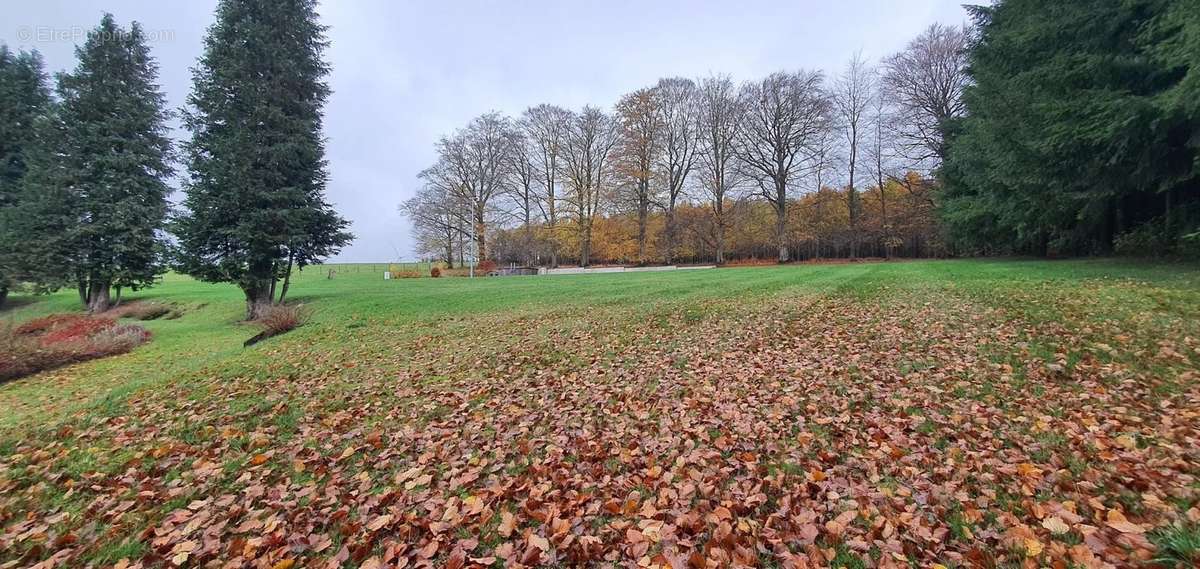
781,219
781,232
643,218
669,253
585,246
287,281
1166,213
852,207
97,300
258,299
259,288
3,295
720,243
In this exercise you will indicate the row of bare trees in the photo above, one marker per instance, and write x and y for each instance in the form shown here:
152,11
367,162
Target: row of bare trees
707,141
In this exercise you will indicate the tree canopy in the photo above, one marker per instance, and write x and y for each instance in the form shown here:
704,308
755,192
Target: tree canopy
1081,127
255,204
94,199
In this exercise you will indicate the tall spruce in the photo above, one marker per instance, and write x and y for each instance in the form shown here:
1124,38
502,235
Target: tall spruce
95,196
24,99
255,206
1082,126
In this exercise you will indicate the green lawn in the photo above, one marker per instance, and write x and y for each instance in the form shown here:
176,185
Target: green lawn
740,415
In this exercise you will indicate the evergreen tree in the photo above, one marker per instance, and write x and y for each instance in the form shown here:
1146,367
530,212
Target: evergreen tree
95,197
24,98
1082,124
255,203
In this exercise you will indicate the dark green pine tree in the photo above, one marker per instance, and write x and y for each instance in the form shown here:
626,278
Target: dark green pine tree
24,99
255,203
1082,125
95,198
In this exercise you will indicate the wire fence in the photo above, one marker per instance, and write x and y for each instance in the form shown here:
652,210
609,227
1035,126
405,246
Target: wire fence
373,270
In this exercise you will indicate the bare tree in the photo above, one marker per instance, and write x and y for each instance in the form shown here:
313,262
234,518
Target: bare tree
880,152
438,223
587,157
720,118
545,127
639,115
680,111
785,113
471,167
521,188
926,81
852,93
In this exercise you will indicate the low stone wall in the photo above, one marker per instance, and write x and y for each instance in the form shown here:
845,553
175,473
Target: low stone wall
596,270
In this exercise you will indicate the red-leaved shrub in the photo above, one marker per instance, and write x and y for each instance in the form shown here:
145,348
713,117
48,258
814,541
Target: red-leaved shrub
63,339
486,266
435,272
77,329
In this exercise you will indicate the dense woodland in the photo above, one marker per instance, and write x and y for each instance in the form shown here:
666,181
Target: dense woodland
1049,129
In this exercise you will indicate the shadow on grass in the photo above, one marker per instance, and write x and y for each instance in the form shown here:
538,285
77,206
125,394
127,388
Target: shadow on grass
15,302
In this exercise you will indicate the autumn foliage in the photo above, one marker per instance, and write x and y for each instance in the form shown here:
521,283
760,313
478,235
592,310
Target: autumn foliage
899,221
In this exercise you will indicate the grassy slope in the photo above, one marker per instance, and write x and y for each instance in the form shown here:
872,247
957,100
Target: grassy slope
372,328
208,340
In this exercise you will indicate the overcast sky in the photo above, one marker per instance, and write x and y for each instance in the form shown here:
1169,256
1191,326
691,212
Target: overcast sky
406,72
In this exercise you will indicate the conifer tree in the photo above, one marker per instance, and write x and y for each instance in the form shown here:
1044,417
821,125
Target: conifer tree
94,200
1081,127
255,203
24,99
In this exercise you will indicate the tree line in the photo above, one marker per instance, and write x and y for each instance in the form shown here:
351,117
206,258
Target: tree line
84,184
705,169
1065,128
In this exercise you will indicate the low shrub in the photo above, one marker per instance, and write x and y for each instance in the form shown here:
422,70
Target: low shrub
435,272
1156,238
76,329
63,339
281,318
144,311
486,266
116,340
39,326
278,319
406,275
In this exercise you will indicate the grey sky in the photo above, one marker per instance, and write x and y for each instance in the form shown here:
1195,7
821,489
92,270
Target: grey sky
406,72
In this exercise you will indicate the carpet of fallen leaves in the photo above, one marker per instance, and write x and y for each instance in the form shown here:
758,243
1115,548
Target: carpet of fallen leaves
804,431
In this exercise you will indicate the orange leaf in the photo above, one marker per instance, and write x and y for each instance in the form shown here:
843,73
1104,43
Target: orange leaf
508,523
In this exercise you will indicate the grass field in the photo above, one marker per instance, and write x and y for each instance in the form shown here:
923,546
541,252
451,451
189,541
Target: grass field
963,413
